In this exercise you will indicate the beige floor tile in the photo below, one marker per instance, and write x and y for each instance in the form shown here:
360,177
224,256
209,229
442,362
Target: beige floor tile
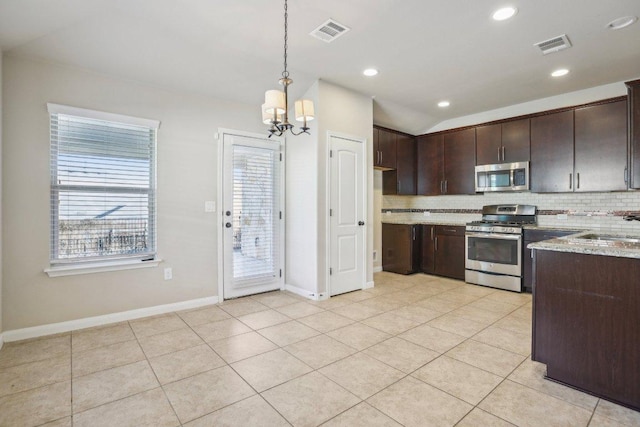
525,312
457,324
458,297
416,313
275,299
106,386
531,374
437,303
243,306
168,342
515,324
510,297
252,411
507,340
270,369
62,422
203,315
494,306
34,375
475,290
618,413
464,381
356,296
157,325
299,309
358,336
319,351
425,289
288,333
148,409
325,321
411,402
110,356
357,311
361,415
379,289
602,421
310,400
401,354
506,402
478,417
407,297
16,353
37,406
442,284
491,359
331,303
240,347
432,338
391,323
87,339
185,363
221,329
201,394
263,319
362,375
383,303
478,315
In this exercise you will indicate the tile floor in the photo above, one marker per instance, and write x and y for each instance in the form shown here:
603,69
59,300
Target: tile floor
415,351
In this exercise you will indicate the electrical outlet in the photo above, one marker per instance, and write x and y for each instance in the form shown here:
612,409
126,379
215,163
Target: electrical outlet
168,273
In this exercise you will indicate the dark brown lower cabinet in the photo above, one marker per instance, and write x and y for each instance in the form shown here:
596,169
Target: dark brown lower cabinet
533,236
401,248
449,251
428,255
586,323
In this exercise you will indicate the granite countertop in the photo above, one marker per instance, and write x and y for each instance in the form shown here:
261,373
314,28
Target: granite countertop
574,243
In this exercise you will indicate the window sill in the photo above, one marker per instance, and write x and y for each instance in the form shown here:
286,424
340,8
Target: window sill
99,267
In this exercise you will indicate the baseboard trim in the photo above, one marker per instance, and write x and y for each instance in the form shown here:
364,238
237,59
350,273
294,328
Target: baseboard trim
304,293
377,269
368,285
88,322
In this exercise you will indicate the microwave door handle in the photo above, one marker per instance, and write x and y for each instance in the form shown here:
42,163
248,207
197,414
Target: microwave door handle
512,177
496,236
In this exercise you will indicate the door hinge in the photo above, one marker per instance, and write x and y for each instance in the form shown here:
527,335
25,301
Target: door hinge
330,153
330,271
330,212
280,272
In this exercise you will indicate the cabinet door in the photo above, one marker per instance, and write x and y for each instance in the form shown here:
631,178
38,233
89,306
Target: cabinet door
516,139
402,180
376,149
460,162
387,148
427,258
449,251
430,161
489,144
532,236
634,135
551,166
601,147
398,248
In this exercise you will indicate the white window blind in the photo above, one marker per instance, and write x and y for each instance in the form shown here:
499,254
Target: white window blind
102,186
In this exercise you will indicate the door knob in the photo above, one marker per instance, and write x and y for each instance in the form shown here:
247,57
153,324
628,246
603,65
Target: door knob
228,225
228,213
360,223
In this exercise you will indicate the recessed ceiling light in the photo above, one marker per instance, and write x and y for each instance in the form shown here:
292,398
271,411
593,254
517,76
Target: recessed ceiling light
370,72
443,104
504,13
620,23
560,72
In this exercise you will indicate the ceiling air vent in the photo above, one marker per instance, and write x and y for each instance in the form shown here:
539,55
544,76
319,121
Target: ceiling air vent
555,44
329,31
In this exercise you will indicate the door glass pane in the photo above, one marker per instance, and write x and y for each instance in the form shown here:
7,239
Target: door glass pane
255,214
493,250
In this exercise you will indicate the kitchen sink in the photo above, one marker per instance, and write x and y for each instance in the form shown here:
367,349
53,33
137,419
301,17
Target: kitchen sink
609,238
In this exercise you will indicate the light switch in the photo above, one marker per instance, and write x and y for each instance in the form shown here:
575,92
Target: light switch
209,206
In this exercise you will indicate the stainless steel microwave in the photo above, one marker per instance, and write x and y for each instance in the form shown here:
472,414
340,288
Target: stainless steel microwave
502,177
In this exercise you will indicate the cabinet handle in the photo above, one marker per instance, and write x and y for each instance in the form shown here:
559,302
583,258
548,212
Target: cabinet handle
503,153
441,187
413,231
432,227
435,248
446,186
498,154
578,178
570,181
399,187
380,156
625,175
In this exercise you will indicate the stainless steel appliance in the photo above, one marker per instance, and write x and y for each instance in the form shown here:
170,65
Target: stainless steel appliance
503,177
493,246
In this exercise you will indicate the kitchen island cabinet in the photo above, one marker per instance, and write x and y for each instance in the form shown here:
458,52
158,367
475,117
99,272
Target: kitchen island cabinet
586,322
533,236
506,142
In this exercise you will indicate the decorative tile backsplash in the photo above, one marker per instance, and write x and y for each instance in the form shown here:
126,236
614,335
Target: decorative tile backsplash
582,210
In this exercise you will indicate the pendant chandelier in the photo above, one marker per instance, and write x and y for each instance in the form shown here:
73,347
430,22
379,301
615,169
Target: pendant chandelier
276,102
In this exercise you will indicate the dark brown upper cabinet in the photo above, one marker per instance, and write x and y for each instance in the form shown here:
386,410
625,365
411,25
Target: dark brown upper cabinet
633,102
402,180
581,150
506,142
446,163
384,149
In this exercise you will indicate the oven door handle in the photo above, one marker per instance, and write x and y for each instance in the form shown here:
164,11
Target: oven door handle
496,236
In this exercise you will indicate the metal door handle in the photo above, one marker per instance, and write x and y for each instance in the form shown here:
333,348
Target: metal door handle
570,181
413,232
228,225
360,223
435,248
578,180
498,154
399,187
446,186
503,156
625,175
432,227
380,156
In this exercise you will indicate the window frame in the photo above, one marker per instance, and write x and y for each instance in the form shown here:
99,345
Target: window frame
78,265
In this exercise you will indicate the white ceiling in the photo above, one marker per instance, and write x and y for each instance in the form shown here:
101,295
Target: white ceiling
426,50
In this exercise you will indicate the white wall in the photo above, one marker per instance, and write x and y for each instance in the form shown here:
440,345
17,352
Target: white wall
187,151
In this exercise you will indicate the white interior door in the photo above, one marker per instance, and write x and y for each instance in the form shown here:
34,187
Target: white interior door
251,215
347,215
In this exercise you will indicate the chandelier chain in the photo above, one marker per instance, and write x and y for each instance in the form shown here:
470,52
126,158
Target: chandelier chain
285,73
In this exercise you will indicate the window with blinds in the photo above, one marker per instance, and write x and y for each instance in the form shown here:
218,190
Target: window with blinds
103,182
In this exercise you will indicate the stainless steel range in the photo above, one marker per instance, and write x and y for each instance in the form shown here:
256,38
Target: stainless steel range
494,246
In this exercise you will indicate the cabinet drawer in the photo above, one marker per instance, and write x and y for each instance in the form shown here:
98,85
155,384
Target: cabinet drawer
450,230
